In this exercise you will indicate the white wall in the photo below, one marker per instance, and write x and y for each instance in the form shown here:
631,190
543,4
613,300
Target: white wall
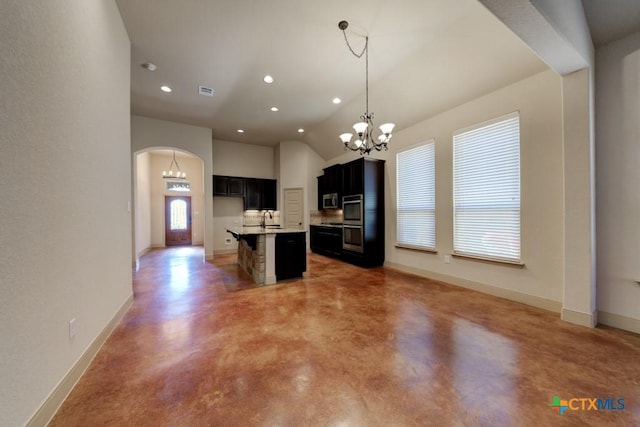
299,166
538,99
147,134
142,197
246,160
236,159
618,175
193,167
65,239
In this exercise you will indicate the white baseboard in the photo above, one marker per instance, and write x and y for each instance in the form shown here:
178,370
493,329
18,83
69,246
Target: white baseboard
52,403
621,322
580,318
144,251
545,304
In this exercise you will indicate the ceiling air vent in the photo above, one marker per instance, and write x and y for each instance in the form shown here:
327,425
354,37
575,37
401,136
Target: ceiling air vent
205,91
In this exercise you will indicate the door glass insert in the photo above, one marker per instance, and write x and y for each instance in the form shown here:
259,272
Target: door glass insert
178,212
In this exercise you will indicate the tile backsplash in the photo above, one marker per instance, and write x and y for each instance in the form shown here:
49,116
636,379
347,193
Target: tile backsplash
326,216
250,218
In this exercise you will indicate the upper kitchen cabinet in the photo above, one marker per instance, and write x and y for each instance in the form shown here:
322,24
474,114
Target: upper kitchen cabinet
228,186
320,191
260,194
252,196
332,179
353,177
269,194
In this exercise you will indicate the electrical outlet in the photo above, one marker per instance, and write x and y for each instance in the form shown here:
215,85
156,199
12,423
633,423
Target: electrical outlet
227,240
72,328
447,259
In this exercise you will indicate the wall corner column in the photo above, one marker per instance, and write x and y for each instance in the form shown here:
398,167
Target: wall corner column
579,293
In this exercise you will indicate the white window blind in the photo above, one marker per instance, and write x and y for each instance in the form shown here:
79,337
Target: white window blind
486,175
416,195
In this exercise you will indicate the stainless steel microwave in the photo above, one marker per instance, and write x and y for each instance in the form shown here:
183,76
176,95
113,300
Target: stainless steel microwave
330,201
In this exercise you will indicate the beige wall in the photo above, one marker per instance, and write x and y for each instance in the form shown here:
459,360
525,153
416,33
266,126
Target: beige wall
142,197
299,166
148,134
246,160
618,175
193,167
236,159
65,239
540,282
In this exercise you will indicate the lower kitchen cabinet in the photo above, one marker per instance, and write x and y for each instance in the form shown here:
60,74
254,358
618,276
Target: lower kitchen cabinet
291,255
326,240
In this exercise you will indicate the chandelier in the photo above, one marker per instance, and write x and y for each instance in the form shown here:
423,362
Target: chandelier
365,142
178,174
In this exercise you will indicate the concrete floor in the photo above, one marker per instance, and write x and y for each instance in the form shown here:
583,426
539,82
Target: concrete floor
345,346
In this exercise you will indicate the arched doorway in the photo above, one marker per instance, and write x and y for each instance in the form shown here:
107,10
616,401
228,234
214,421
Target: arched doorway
150,190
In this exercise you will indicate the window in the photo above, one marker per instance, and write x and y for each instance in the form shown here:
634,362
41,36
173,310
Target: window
178,212
416,208
486,186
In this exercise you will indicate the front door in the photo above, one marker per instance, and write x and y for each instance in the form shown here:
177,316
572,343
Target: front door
177,220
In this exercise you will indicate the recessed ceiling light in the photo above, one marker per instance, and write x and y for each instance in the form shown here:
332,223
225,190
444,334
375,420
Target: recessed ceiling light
300,130
268,79
165,89
240,130
337,100
274,109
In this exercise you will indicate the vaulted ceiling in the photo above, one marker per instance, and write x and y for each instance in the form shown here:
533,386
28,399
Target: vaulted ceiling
425,56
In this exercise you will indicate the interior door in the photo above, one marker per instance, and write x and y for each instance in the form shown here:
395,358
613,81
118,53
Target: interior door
293,208
177,220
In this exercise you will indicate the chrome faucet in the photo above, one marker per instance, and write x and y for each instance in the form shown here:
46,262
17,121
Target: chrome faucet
263,221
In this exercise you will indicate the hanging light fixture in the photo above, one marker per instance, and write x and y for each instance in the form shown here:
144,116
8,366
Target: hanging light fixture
176,179
365,142
171,174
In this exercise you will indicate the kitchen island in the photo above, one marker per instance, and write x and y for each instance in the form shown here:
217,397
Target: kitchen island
271,254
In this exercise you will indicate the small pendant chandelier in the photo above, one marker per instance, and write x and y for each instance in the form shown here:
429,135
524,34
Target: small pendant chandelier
171,174
365,142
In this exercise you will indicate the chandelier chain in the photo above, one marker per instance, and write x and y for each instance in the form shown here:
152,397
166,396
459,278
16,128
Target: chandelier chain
365,52
364,49
365,141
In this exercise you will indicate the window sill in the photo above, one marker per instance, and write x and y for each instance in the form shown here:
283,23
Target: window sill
415,248
517,264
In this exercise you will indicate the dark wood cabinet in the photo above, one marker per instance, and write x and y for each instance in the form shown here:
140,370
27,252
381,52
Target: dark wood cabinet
353,177
269,194
252,193
258,193
365,176
232,186
236,186
320,191
291,255
326,240
333,179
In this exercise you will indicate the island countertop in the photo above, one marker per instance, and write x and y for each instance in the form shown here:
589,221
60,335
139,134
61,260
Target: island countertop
257,230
